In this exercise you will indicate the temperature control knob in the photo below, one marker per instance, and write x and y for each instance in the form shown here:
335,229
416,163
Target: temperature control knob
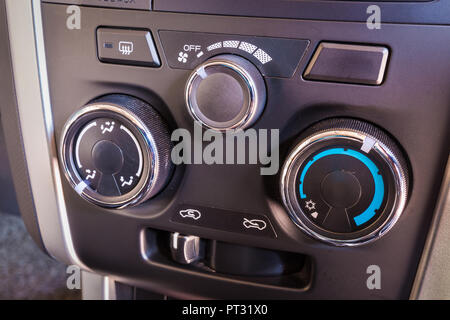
345,183
116,151
226,92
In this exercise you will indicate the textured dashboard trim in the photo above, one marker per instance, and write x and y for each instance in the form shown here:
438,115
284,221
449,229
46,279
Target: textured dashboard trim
11,130
432,278
34,108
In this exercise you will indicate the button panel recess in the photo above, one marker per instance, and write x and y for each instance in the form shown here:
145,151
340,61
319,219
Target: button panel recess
274,57
219,219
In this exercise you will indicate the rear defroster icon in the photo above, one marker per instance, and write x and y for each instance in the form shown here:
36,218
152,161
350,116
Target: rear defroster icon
126,47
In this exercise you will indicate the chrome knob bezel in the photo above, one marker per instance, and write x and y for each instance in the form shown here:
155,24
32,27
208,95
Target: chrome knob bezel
250,78
147,185
299,217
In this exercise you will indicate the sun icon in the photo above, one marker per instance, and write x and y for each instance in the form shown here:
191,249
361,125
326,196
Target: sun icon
310,205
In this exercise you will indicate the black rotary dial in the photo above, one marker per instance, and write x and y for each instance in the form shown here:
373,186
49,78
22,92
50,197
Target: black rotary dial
116,151
225,92
345,183
108,157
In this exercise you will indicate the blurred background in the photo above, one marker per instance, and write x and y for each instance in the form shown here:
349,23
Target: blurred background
25,271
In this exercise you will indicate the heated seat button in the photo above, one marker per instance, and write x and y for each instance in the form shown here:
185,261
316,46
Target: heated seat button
124,46
358,64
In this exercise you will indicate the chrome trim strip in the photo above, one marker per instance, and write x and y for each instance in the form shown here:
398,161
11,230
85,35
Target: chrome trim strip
34,108
97,287
433,279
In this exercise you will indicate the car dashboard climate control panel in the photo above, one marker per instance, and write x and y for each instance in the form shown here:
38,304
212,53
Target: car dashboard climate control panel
224,156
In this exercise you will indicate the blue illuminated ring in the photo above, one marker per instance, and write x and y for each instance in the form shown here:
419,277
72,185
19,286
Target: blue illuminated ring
377,200
290,192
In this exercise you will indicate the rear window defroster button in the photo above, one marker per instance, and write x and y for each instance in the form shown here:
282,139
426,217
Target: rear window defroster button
125,46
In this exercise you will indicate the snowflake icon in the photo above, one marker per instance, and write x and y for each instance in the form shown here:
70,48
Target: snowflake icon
182,57
310,205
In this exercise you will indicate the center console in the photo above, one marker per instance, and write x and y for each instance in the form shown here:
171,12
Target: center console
354,122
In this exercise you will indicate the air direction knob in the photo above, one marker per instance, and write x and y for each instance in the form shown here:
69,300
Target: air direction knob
116,151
